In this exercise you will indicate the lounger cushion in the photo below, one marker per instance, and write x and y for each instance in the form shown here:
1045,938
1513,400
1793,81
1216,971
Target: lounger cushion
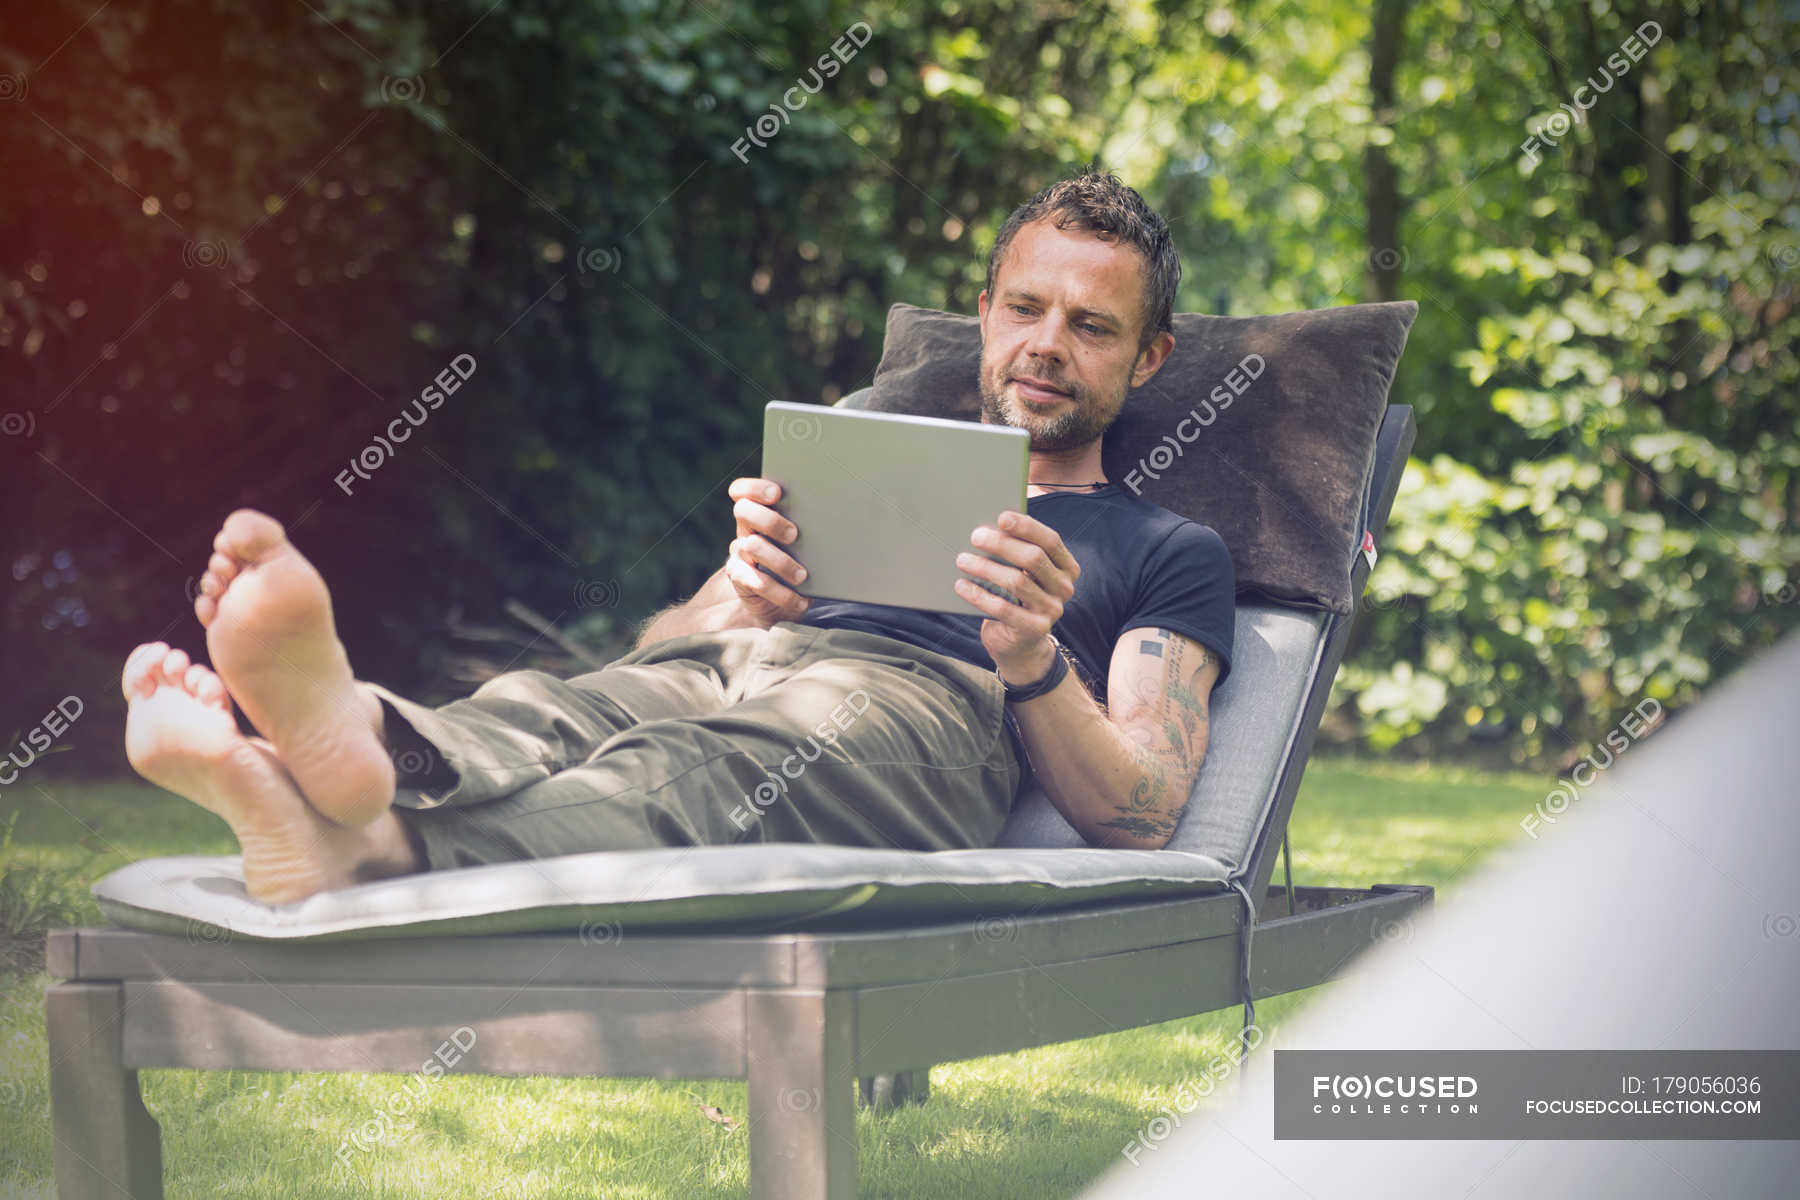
1262,427
749,888
1040,864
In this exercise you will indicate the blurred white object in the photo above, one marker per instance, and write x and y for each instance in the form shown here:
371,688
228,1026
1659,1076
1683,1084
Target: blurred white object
1661,910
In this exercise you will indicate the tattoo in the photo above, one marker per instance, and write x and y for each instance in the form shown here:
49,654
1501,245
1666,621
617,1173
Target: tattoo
1177,743
1142,828
1147,794
1142,817
1148,647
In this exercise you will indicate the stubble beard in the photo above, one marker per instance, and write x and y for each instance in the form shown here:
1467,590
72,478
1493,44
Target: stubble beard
1078,424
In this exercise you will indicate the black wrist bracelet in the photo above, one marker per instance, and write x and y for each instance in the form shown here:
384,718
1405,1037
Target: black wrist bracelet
1032,691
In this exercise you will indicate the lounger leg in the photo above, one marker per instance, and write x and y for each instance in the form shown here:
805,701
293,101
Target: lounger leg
802,1106
882,1093
108,1146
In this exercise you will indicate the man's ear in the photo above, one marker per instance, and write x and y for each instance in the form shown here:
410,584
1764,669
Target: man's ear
1153,357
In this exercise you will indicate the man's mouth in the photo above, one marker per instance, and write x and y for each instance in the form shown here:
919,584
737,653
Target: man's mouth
1037,391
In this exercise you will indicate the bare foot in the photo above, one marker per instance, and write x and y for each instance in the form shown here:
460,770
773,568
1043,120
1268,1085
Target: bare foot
180,734
270,633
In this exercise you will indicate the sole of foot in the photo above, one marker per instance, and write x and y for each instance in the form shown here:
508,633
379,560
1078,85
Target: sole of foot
180,734
270,633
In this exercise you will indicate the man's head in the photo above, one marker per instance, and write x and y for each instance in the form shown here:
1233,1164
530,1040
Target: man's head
1080,291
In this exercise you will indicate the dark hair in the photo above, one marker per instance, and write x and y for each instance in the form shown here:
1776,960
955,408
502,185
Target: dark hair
1100,203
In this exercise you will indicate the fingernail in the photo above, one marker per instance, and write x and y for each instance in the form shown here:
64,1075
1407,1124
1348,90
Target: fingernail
769,493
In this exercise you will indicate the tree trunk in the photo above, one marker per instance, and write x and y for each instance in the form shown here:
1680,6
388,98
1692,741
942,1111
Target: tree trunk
1664,191
1381,280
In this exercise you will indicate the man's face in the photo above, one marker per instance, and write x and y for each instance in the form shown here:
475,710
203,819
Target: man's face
1059,345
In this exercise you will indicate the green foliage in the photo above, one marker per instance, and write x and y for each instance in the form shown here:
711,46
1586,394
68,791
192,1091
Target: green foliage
1603,504
254,233
1628,529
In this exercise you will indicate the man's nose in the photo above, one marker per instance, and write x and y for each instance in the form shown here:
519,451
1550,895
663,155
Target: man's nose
1046,341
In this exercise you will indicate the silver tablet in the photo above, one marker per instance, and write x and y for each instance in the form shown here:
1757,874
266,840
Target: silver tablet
884,502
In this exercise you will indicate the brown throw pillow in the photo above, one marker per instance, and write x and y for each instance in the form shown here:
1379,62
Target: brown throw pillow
1261,427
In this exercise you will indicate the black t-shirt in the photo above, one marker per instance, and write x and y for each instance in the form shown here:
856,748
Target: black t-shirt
1141,566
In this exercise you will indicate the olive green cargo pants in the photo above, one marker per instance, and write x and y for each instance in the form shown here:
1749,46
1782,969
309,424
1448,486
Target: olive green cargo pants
786,734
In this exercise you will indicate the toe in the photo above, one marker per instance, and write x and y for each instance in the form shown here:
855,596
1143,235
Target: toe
205,608
249,536
208,687
222,568
139,678
174,666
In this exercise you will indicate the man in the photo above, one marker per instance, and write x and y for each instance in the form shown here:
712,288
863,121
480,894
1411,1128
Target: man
750,713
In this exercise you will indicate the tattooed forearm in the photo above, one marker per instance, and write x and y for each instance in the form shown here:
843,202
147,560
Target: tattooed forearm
1144,816
1122,778
1171,691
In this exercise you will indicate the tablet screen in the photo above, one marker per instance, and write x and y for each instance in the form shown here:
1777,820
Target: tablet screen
884,502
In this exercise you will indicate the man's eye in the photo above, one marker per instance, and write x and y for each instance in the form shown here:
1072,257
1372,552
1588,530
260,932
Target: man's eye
1090,327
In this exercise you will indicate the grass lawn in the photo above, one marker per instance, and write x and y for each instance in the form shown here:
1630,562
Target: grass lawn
1033,1125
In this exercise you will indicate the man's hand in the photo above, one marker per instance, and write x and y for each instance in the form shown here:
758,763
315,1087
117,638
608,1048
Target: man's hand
1038,569
761,532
